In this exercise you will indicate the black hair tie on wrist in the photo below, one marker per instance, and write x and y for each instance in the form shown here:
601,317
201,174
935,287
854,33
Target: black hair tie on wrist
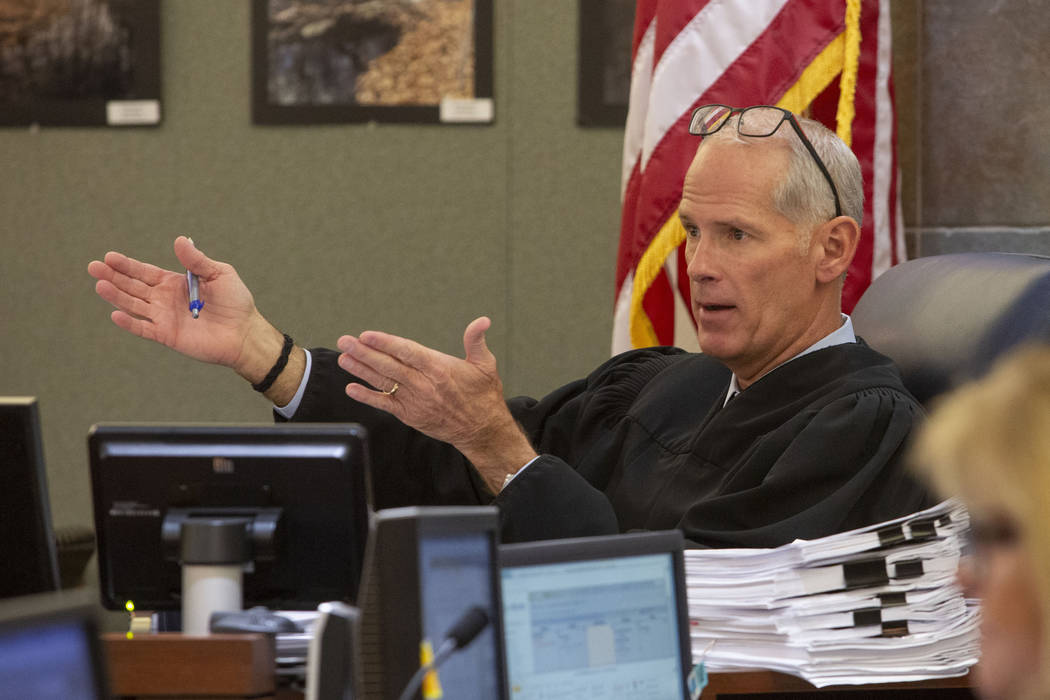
278,366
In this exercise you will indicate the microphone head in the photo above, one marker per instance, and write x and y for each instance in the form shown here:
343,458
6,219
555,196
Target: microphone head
468,626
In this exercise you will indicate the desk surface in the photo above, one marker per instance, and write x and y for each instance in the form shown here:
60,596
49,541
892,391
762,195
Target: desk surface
241,666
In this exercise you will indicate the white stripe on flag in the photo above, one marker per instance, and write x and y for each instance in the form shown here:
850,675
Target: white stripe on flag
898,213
621,337
641,78
895,205
882,165
697,56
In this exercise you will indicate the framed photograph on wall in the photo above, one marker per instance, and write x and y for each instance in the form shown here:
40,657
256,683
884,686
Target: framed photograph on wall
604,73
79,62
334,61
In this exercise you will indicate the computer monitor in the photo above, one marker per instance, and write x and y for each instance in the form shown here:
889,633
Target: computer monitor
596,617
302,488
425,569
50,649
27,541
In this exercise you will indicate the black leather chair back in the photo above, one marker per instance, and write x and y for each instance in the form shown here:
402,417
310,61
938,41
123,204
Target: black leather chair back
945,318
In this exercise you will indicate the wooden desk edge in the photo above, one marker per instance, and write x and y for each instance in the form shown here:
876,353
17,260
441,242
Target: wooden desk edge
774,682
173,664
235,664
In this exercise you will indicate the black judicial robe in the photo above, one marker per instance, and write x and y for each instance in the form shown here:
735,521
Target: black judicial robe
812,448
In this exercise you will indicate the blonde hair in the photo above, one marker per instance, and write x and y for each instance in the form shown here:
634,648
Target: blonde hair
988,443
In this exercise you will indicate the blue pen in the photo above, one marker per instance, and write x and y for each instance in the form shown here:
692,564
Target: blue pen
195,295
193,287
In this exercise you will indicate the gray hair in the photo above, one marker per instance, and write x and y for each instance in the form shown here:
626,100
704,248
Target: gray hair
803,195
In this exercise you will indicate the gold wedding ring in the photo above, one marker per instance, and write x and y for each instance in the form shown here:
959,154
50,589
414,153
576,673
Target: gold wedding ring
393,389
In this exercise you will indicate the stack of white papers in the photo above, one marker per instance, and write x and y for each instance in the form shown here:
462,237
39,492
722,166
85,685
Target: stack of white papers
877,604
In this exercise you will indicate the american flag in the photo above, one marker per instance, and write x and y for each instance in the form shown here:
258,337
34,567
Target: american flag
827,59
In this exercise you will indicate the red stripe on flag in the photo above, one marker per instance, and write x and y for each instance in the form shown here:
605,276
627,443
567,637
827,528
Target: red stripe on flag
825,106
644,13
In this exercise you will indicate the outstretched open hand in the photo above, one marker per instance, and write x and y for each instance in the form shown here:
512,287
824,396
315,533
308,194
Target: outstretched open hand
153,303
459,401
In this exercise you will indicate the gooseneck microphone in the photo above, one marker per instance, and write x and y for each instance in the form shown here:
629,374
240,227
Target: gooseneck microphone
467,627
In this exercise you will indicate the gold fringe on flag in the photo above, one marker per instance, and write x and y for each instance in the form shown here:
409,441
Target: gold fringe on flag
668,238
848,83
816,77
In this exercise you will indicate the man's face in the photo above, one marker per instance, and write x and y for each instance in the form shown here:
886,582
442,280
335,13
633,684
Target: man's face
754,295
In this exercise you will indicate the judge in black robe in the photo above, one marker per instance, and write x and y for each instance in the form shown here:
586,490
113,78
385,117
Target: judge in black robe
812,448
811,444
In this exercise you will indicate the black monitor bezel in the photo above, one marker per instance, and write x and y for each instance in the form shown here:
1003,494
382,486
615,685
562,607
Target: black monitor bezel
393,559
55,608
352,435
24,412
542,552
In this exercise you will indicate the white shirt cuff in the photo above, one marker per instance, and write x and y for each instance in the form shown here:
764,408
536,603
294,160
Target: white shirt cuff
293,405
510,477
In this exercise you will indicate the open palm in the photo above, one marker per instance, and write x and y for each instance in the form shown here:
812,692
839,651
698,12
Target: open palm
153,303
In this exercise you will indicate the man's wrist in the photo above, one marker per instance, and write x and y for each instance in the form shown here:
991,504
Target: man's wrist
282,361
260,349
285,386
501,452
263,348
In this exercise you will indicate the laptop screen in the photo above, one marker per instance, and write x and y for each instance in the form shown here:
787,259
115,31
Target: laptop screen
49,649
595,617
